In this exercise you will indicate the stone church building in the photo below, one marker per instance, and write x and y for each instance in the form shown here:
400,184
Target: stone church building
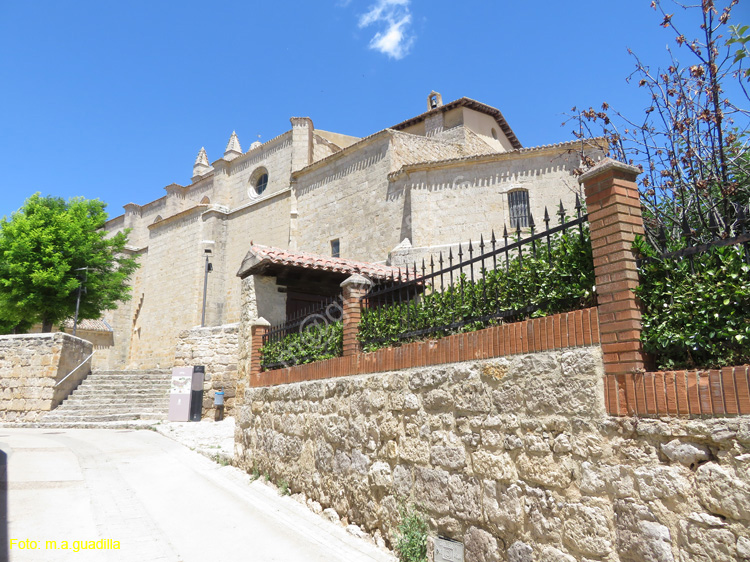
448,175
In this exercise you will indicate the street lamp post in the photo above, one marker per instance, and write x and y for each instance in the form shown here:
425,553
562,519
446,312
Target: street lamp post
207,268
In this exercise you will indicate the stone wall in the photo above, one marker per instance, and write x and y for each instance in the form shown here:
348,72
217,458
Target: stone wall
456,203
216,348
31,365
516,457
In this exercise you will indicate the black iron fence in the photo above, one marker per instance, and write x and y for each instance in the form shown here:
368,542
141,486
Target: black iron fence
500,280
310,334
691,241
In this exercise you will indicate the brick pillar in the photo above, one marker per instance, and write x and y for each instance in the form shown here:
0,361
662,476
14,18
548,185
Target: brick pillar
615,219
354,288
258,329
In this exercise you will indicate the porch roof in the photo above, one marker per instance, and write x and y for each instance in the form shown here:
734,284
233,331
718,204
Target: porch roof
265,260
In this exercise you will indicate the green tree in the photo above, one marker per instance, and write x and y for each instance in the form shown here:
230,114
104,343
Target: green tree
48,249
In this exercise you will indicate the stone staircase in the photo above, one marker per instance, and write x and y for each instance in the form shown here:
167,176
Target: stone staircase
115,396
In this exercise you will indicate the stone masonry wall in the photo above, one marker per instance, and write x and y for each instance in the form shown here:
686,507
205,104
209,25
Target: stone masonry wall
515,457
31,365
216,348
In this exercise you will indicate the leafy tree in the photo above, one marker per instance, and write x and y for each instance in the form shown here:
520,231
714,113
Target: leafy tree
48,249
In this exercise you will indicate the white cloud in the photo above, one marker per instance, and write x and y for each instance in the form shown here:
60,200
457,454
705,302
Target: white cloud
397,38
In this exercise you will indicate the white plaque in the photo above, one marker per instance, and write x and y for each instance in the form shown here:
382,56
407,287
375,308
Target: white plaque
447,550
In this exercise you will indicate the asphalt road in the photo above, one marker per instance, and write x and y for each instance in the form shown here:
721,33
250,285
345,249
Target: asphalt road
157,499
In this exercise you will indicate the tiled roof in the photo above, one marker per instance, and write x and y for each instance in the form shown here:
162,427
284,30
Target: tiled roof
600,142
259,258
90,325
475,145
471,104
416,148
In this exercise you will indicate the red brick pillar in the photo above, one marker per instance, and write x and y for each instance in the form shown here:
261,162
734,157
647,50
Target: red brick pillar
354,288
258,329
615,219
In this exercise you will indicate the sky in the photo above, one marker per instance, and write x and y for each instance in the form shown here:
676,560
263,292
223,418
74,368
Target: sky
113,100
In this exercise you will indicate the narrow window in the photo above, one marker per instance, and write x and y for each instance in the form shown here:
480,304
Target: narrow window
261,184
335,248
518,202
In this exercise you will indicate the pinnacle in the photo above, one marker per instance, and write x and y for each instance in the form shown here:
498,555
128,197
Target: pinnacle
233,145
202,159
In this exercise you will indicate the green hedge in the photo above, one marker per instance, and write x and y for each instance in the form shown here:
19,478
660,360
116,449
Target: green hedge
697,317
556,280
314,343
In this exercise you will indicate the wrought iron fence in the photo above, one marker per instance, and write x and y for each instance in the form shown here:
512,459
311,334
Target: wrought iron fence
690,239
475,287
310,334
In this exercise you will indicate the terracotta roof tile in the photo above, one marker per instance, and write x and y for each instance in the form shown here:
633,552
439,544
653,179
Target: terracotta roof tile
259,257
90,325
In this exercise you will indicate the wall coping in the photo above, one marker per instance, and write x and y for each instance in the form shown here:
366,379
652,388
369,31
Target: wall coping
606,165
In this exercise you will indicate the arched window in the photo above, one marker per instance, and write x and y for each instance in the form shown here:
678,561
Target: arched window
157,219
205,201
258,182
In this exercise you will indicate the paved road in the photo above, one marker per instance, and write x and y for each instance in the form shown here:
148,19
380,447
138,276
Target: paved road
158,499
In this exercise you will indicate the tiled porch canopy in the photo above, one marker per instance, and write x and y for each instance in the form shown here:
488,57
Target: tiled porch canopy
265,260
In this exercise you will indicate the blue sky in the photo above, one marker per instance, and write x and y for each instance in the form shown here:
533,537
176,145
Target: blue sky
114,100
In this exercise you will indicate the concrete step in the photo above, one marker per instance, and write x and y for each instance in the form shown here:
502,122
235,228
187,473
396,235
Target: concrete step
98,406
116,397
105,416
129,387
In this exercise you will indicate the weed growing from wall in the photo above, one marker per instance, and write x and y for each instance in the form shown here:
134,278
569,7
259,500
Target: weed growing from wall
411,535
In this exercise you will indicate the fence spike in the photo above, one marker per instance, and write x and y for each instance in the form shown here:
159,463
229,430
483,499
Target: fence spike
686,232
424,269
546,219
578,206
494,254
471,264
505,237
460,253
532,224
450,265
662,238
440,261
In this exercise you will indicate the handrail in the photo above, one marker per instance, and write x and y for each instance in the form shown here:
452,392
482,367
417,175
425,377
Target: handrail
74,370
